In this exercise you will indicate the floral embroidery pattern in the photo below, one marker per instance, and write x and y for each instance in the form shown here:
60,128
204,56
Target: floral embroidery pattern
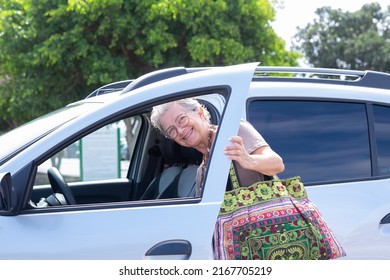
296,188
229,202
264,191
246,197
260,192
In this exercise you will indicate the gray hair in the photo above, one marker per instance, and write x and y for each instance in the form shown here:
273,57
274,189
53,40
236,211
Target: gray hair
191,104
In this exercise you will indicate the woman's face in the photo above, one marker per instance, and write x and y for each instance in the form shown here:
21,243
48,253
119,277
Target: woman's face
187,128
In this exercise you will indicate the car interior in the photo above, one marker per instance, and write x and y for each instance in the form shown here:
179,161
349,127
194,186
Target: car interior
152,167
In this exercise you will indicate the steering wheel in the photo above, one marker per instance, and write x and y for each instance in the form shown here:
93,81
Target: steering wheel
59,185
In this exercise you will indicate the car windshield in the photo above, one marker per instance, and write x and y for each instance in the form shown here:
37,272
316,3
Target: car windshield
20,137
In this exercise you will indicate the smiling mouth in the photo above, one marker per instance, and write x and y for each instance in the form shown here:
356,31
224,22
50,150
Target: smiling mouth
188,134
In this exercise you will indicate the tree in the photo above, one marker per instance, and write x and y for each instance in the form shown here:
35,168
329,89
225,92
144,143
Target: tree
358,40
55,52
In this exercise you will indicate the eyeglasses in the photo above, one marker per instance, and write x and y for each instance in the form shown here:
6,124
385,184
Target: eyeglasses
181,121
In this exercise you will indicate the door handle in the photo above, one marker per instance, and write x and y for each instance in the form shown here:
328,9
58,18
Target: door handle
384,225
176,249
385,219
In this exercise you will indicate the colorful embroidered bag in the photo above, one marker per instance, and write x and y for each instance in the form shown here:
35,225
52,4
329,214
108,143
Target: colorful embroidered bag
272,220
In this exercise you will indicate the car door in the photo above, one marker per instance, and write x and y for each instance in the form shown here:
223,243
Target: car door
165,229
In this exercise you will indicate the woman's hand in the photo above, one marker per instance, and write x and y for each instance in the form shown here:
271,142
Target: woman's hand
263,159
236,151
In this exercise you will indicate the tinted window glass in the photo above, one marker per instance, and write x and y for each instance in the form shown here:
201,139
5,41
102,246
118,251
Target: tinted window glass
319,141
382,131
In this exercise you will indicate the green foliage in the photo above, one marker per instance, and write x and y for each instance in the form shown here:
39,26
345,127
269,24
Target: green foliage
358,40
56,52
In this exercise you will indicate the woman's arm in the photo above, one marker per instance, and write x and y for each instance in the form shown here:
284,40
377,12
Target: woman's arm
263,159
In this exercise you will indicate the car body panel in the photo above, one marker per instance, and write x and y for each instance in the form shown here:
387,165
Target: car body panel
355,218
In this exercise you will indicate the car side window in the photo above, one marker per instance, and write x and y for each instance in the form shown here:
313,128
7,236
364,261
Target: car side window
103,154
318,140
382,132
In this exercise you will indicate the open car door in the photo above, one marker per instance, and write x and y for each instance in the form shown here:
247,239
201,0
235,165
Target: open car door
160,229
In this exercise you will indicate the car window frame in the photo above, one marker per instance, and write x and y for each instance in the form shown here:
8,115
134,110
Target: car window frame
141,110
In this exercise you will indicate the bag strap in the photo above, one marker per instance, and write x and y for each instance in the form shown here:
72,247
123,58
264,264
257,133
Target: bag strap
235,181
233,176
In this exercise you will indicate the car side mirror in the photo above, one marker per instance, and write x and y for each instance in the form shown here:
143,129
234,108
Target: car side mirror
6,194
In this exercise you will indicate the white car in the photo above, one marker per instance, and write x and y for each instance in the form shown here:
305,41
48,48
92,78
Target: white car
67,193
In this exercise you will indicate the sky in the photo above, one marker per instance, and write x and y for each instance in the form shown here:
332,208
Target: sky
298,13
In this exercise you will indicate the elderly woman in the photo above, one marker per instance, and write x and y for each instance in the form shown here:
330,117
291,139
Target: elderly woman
187,122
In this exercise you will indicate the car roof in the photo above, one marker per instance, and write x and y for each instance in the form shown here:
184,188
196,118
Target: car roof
370,79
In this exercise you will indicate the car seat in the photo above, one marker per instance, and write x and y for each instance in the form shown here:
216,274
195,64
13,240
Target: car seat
171,152
184,184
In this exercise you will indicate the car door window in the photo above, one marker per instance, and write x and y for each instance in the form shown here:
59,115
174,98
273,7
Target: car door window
97,167
319,141
382,133
103,154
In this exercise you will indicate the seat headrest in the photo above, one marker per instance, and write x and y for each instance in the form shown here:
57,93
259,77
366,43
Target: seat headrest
171,152
192,155
175,154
